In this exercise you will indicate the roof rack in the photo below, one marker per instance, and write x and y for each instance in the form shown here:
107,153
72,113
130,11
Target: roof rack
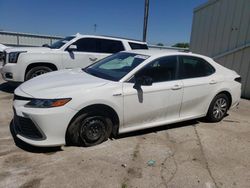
121,38
169,48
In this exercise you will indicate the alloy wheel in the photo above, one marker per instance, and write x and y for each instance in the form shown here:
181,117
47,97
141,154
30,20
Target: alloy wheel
38,72
220,108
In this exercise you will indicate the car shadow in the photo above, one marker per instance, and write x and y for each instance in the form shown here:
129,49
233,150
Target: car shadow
158,129
9,87
50,150
27,147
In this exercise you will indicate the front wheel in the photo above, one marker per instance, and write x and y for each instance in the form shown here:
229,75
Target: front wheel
36,71
89,129
218,108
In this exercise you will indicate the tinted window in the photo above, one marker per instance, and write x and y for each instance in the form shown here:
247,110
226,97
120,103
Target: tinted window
160,70
86,45
135,46
192,67
109,46
99,45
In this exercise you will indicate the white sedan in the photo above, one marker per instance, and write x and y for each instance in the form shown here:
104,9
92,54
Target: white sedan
124,92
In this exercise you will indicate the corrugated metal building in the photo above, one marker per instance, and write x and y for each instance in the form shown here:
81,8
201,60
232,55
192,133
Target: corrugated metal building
25,39
221,30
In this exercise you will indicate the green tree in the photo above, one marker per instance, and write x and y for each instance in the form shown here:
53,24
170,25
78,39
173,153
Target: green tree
159,44
181,45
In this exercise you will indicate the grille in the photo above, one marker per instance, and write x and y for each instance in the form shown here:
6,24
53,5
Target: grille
3,57
25,127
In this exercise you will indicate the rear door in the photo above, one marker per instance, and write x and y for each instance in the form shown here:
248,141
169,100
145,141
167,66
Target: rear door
198,82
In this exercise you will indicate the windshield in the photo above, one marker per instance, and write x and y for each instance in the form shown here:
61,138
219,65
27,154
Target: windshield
58,44
116,66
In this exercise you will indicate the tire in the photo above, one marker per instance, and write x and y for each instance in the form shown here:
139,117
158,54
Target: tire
89,129
218,108
36,71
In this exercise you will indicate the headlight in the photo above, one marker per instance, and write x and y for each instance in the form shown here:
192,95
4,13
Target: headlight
47,103
13,56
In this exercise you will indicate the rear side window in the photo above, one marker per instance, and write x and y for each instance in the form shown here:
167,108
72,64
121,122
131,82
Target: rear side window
135,46
109,46
192,67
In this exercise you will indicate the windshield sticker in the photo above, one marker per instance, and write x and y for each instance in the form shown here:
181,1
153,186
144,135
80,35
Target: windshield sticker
142,56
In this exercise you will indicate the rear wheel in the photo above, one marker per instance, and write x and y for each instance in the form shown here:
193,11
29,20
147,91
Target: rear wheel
218,108
89,129
36,71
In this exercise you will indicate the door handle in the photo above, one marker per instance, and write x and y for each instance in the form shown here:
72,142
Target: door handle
212,82
92,58
117,94
176,87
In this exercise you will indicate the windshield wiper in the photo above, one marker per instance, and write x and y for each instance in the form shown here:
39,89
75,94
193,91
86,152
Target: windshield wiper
91,73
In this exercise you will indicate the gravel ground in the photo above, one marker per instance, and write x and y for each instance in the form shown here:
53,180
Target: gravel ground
190,154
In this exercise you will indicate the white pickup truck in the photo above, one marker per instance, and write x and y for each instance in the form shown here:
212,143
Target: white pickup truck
23,63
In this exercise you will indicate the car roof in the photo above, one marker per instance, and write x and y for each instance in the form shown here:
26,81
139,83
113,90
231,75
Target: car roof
160,53
109,37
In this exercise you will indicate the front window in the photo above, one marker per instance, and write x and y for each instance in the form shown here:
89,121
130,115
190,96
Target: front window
116,66
160,70
58,44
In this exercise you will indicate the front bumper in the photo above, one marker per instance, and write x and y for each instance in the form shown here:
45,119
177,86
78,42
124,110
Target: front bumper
41,127
12,72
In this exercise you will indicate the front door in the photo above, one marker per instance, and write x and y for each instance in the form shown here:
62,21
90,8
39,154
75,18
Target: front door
86,53
150,105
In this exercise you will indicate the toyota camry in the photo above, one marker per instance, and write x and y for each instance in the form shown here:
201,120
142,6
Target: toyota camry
124,92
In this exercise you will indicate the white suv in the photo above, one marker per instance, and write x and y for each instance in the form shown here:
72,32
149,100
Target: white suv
23,63
2,48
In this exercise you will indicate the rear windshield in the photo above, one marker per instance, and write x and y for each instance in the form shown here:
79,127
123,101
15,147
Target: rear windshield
135,46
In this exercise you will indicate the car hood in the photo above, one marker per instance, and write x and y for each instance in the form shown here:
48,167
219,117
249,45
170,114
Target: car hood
29,49
2,47
61,83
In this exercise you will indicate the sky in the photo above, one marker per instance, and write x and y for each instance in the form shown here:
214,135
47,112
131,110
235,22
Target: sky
169,22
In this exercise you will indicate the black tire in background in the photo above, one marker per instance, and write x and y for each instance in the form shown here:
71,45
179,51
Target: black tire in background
36,71
89,129
218,108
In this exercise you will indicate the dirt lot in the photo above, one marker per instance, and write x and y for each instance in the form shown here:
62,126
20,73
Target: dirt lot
190,154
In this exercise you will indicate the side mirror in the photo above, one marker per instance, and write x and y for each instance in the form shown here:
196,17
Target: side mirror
45,45
142,80
72,48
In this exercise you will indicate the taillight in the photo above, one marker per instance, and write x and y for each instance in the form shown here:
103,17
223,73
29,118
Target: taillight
238,79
